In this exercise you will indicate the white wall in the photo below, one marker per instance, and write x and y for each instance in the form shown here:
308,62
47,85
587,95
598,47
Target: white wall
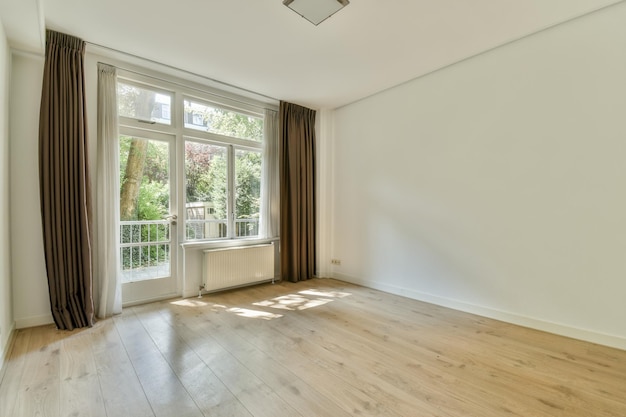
6,306
31,303
496,185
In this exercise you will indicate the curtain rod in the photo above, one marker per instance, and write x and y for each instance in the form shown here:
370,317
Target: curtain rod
173,68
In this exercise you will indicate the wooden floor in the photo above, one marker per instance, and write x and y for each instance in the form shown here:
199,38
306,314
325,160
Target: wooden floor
317,348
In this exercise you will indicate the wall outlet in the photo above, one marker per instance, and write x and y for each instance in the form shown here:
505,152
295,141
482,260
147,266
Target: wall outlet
335,261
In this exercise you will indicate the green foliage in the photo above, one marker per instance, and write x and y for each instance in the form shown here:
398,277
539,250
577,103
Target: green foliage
141,102
144,256
153,200
216,180
198,158
234,124
124,146
247,184
206,173
157,166
127,95
223,122
152,204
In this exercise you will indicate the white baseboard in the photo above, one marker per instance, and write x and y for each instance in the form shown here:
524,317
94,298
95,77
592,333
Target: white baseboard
533,323
149,300
34,321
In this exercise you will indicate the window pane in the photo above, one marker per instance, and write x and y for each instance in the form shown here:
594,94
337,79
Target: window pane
144,179
144,202
224,122
247,192
206,168
143,104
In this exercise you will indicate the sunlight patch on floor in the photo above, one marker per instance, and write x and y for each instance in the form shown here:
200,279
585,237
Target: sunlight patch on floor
292,302
300,302
189,302
254,314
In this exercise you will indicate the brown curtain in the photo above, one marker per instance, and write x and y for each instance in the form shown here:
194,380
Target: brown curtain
297,192
64,182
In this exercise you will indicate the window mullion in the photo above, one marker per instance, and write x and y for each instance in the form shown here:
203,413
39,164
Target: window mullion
231,192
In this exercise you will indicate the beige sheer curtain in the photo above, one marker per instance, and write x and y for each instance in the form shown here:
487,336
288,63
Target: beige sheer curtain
270,181
297,192
64,182
107,266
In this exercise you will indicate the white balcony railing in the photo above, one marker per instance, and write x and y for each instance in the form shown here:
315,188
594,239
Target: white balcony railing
145,245
200,229
145,249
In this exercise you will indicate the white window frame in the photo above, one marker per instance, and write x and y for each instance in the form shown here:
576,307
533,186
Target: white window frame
180,92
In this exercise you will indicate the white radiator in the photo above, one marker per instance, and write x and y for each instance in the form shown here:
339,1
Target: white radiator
236,267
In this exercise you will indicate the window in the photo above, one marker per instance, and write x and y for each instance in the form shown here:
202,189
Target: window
206,187
143,104
247,192
223,159
219,149
206,117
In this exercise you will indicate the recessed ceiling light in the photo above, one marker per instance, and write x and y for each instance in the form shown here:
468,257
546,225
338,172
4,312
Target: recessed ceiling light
316,11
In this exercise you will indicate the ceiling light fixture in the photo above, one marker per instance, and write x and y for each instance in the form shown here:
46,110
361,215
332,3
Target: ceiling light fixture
316,11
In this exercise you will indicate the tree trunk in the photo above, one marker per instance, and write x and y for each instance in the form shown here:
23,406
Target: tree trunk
129,193
132,179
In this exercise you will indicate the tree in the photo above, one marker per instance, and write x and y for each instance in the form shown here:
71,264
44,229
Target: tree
133,176
197,161
143,192
247,184
234,124
133,101
247,188
216,179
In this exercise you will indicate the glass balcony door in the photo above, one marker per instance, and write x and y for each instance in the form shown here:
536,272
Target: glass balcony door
148,218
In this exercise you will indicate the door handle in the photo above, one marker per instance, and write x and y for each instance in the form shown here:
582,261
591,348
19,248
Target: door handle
172,219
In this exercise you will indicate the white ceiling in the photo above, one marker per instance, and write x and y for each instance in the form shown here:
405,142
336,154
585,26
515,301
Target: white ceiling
262,46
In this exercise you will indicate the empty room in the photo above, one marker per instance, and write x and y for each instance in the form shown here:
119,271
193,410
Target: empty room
312,208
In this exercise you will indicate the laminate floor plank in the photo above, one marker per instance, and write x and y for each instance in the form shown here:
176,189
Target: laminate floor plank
448,366
39,387
261,333
15,364
258,398
536,362
314,349
268,367
80,393
121,389
210,394
465,328
543,361
164,391
346,356
299,348
501,380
